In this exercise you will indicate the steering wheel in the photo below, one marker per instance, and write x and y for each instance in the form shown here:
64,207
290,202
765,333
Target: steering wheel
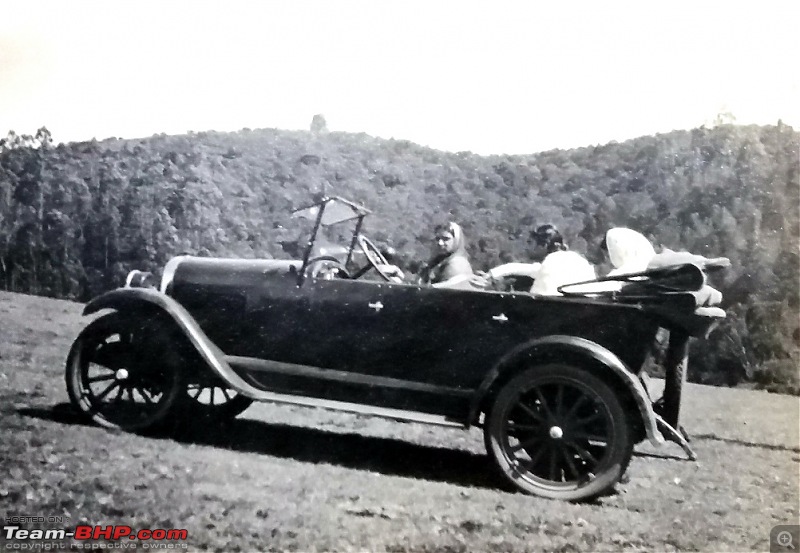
376,258
326,267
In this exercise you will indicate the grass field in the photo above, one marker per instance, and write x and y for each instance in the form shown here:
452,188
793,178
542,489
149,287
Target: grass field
295,479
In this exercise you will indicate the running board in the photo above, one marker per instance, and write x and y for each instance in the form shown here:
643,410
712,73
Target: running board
358,409
316,373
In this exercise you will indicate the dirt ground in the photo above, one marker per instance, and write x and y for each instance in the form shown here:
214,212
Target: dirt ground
295,479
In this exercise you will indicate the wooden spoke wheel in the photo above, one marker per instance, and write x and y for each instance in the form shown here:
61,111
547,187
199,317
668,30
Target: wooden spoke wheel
121,374
214,401
559,431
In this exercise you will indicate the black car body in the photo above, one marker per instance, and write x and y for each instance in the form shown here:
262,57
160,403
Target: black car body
554,381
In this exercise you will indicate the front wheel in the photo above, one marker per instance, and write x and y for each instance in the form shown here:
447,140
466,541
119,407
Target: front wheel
560,432
122,372
210,402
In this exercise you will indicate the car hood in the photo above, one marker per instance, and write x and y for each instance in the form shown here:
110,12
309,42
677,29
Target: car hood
187,269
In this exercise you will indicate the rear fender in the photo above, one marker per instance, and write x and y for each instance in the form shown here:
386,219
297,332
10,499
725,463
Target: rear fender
133,299
553,347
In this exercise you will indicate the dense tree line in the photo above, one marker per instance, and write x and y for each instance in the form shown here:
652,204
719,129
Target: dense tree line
74,218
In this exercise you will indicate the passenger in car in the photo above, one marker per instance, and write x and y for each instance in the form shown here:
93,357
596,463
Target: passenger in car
560,268
629,251
449,267
558,265
548,238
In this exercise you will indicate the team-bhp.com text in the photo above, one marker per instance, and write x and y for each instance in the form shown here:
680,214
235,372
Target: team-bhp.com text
86,537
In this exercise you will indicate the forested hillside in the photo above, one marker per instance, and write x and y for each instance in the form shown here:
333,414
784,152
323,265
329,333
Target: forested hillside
74,218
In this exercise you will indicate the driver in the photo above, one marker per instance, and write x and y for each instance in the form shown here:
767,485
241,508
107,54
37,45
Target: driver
449,266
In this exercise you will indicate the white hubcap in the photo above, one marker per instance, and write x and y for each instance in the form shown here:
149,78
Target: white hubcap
122,374
556,433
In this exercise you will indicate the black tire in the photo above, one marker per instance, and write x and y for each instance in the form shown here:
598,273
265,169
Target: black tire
211,402
558,431
125,354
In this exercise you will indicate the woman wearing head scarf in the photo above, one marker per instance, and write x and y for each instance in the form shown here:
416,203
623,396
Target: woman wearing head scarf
449,266
628,250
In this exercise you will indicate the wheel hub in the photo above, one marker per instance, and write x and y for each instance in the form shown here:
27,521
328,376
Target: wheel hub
556,433
121,374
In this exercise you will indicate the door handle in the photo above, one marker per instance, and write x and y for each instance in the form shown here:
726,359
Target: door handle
377,306
500,318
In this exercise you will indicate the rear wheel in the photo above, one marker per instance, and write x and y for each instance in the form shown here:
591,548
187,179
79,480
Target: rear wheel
122,372
559,431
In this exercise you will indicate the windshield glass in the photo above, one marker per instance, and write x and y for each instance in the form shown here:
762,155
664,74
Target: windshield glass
332,237
337,210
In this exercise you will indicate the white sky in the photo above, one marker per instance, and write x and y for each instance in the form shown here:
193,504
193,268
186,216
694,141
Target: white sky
490,77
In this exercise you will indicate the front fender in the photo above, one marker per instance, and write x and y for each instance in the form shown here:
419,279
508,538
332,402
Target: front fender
131,299
549,345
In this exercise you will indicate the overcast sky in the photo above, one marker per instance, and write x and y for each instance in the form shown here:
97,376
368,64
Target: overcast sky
491,77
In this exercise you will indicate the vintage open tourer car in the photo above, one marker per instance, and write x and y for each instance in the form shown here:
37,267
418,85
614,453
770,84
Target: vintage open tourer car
554,381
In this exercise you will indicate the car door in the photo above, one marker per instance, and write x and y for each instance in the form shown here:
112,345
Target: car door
318,323
415,333
346,316
442,336
388,332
